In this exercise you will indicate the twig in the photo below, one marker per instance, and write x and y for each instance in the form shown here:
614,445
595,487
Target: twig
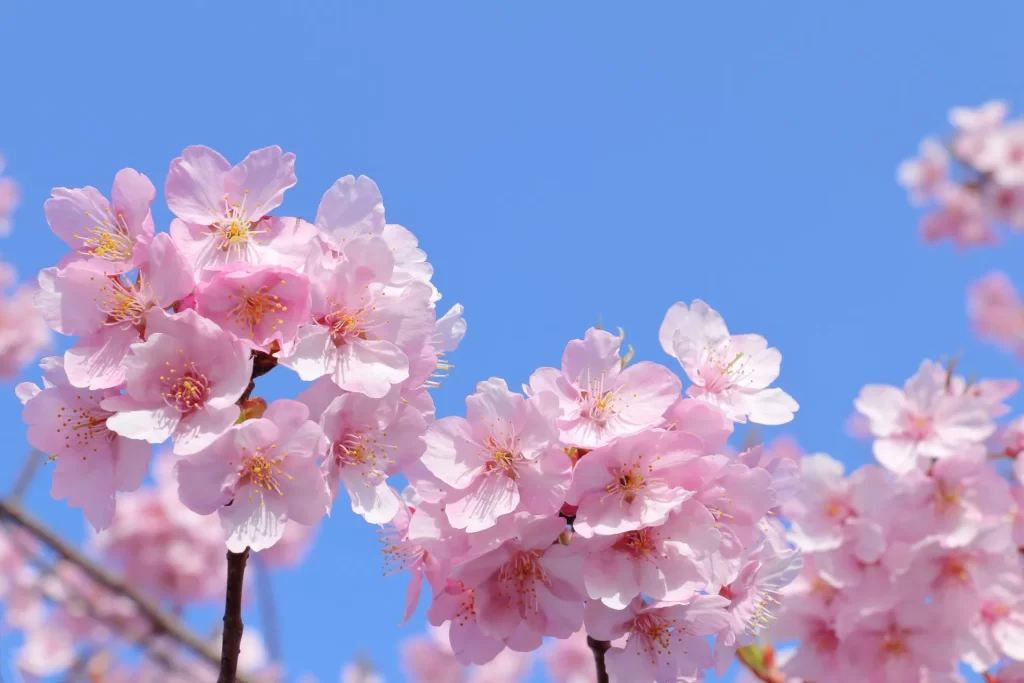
25,475
766,673
268,608
162,622
599,647
232,639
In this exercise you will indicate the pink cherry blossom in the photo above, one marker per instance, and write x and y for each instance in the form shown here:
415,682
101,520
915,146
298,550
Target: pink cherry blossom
259,475
455,606
182,381
419,541
92,461
429,659
991,392
369,439
626,486
47,651
961,217
997,627
923,175
597,401
570,660
893,646
527,588
1002,154
508,667
359,335
974,126
997,312
112,236
501,457
222,210
109,312
664,641
922,421
701,419
351,208
653,561
259,305
730,371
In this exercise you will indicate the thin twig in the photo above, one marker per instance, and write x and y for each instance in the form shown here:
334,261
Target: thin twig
599,647
268,608
25,475
162,622
232,639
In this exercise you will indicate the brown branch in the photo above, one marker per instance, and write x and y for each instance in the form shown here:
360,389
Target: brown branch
599,647
161,620
232,637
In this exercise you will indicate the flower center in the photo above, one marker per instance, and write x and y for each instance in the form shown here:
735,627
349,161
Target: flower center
109,240
501,457
345,325
895,643
122,303
992,612
254,306
917,427
628,483
262,470
946,496
83,424
654,633
719,372
640,544
517,581
234,230
187,389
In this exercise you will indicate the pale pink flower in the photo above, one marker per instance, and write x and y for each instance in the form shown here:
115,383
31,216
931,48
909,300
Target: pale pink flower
826,500
991,392
926,173
109,312
110,235
182,381
369,440
455,607
222,210
996,629
654,561
628,486
361,336
528,587
1004,204
259,305
664,641
997,312
429,659
23,333
954,501
259,475
351,208
93,462
701,419
961,217
420,541
570,660
974,125
1010,441
818,657
47,651
501,457
730,371
598,401
10,197
922,421
410,261
893,646
1002,154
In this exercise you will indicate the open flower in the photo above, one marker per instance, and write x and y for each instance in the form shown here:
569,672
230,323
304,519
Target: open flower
259,475
731,371
222,210
182,381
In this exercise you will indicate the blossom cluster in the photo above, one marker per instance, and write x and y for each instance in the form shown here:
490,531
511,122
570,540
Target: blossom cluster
601,500
912,566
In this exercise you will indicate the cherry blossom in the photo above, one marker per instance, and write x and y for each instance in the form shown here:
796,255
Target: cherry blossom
596,401
10,197
730,371
997,312
924,175
259,475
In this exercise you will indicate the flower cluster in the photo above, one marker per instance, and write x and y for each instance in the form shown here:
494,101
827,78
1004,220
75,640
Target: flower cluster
174,327
911,567
601,499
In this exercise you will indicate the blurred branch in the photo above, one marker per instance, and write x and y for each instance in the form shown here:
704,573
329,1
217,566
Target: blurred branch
233,627
599,647
268,608
25,475
163,623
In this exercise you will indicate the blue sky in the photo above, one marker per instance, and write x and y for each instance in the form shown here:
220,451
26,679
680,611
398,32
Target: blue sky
558,161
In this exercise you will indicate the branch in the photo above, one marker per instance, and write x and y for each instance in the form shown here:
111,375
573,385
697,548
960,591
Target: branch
25,475
162,622
232,639
599,647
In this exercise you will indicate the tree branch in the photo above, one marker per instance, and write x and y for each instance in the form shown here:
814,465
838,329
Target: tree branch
25,475
232,638
599,647
162,621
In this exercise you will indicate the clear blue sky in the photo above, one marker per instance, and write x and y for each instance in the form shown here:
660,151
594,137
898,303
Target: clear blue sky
557,161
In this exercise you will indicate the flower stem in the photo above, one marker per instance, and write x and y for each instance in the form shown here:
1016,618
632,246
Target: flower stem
599,647
232,639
